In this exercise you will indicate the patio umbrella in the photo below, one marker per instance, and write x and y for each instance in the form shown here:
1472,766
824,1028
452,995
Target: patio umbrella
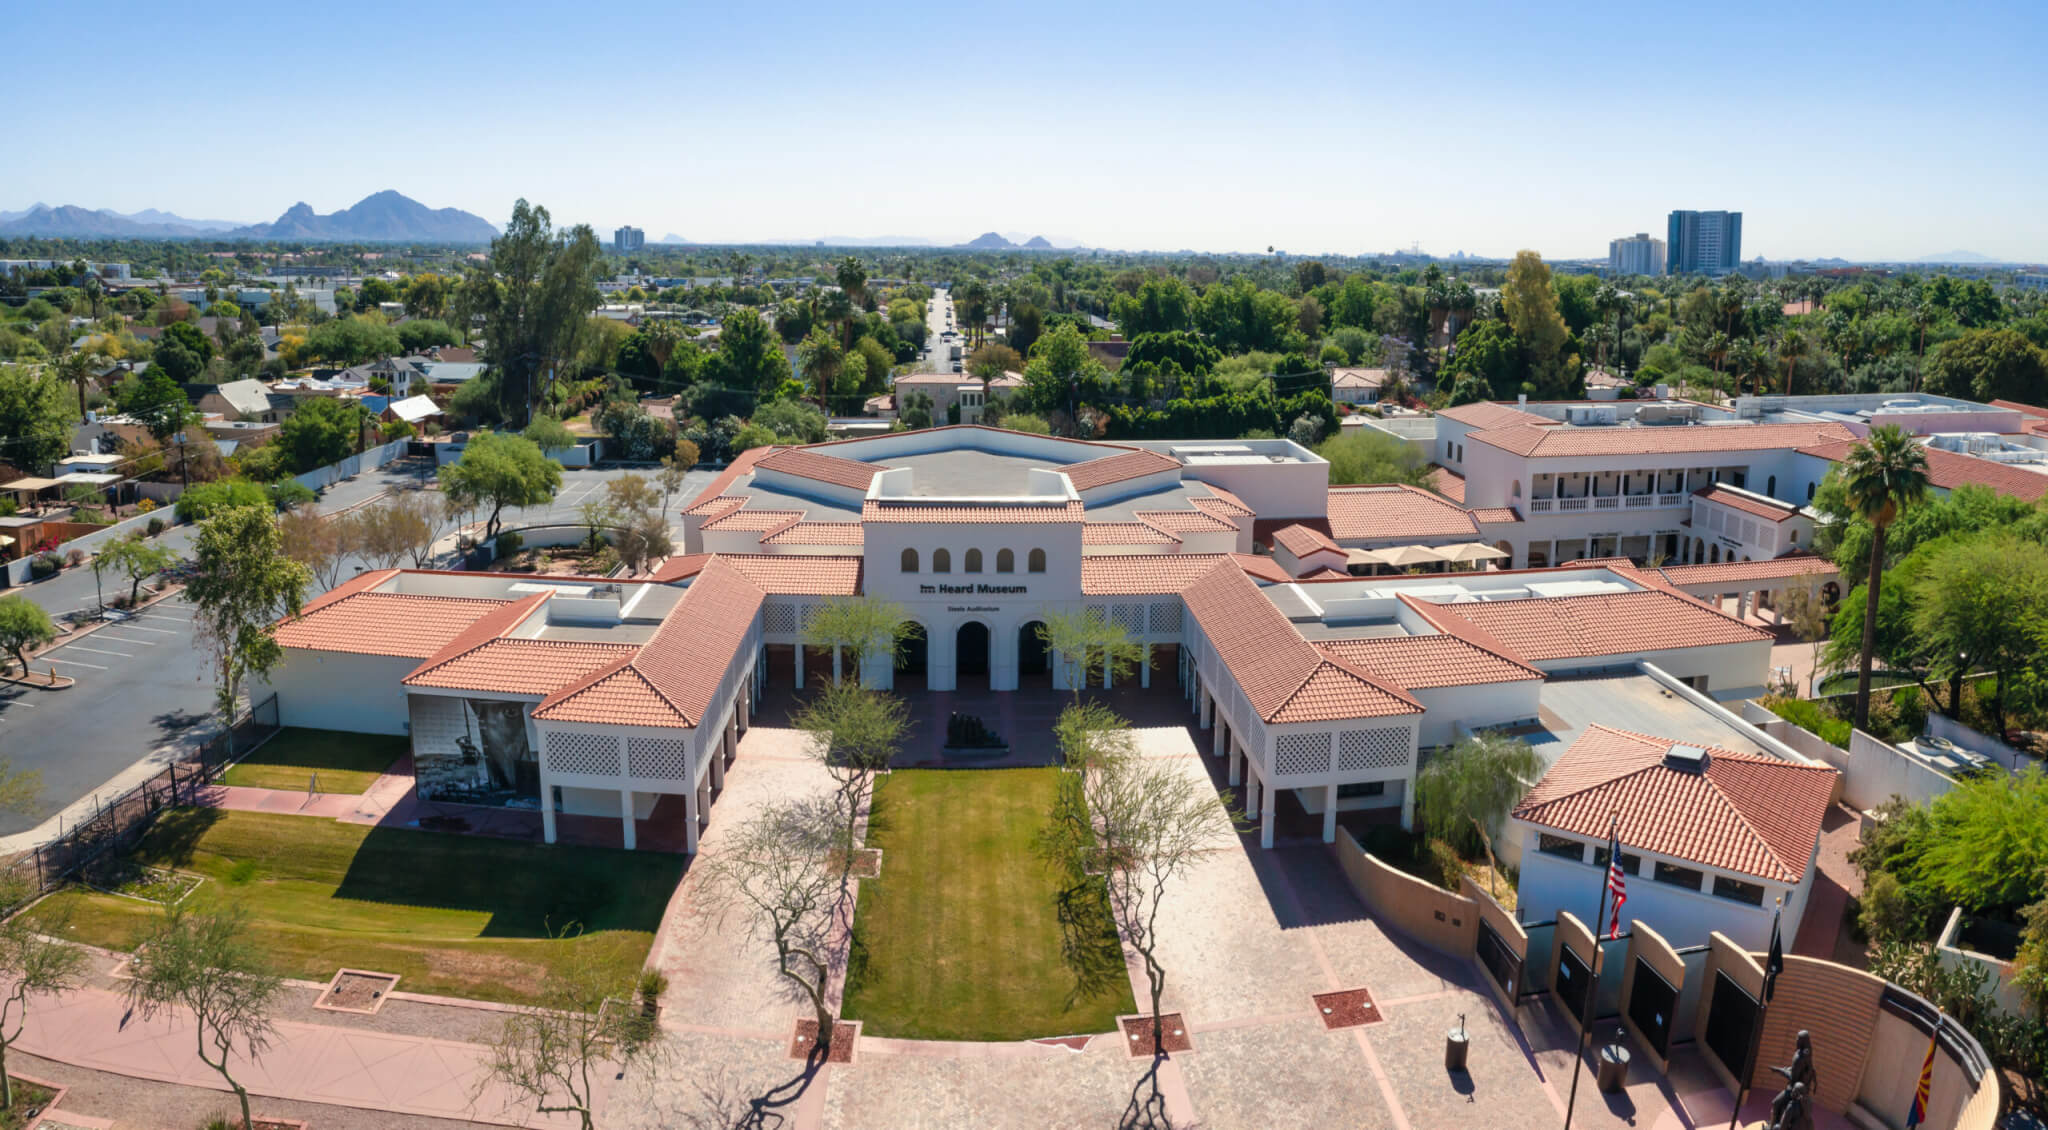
1364,557
1402,556
1472,551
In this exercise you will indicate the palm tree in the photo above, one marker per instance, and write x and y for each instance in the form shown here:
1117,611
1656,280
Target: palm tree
79,368
1886,471
1791,347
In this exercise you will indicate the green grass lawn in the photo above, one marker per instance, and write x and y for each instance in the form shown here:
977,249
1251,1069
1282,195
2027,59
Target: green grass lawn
961,936
346,763
465,916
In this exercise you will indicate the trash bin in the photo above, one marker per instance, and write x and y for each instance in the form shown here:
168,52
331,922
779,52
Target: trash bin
1613,1067
1456,1043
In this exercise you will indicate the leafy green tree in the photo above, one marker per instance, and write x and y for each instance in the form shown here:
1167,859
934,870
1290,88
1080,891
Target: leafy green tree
1475,784
154,400
549,433
208,963
1161,305
138,559
187,335
821,358
204,500
1881,475
23,625
1990,364
1986,841
536,317
497,471
1368,456
795,421
991,361
1087,646
79,367
749,361
1529,303
35,420
241,584
1195,356
419,334
1488,349
1983,605
856,732
323,430
1060,371
859,627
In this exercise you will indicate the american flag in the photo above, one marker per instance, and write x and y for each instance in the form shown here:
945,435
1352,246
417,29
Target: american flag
1617,883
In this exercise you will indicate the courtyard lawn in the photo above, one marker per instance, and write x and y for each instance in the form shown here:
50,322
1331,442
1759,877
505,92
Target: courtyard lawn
961,936
344,762
465,916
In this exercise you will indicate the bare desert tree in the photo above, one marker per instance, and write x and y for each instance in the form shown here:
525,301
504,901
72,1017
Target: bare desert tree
856,732
552,1052
321,543
777,869
35,965
206,963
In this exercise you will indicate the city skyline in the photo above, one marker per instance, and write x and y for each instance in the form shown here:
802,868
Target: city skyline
1116,128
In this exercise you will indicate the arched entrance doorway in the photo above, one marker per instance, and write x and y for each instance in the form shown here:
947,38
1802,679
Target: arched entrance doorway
970,654
1033,667
911,656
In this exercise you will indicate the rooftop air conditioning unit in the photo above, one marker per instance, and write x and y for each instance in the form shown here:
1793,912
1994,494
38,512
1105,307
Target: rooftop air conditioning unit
1686,759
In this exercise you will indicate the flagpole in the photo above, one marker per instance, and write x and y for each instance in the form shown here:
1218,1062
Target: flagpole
1592,989
1756,1038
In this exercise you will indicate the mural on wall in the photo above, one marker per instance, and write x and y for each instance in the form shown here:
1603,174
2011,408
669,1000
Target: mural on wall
494,758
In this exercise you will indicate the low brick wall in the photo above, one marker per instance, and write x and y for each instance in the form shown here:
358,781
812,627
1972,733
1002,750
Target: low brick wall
1424,911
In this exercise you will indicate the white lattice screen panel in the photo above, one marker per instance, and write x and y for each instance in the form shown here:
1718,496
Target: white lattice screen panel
1166,618
595,754
1301,753
779,619
1130,617
1371,749
657,759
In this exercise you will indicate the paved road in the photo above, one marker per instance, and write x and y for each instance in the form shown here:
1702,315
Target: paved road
938,315
145,693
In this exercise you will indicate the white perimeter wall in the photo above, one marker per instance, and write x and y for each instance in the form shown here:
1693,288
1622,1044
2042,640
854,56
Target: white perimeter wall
329,690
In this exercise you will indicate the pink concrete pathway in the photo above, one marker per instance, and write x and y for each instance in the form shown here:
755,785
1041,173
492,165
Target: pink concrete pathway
352,1067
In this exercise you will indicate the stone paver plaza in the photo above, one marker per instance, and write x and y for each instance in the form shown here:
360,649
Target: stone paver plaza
1249,939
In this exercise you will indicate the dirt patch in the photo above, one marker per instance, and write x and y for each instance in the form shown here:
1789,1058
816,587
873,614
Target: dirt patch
1173,1036
1071,1043
1347,1009
805,1040
867,862
470,968
356,990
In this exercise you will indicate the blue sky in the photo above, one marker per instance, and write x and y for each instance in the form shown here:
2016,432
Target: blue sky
1862,130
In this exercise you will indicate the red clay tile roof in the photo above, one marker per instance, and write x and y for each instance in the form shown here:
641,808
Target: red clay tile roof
1791,565
798,574
1448,483
1301,541
750,520
1236,504
1496,515
740,466
1125,533
1382,513
1134,574
670,680
817,533
1485,415
1769,511
1949,470
716,505
1328,574
680,566
1118,468
1261,568
1753,815
821,467
2023,409
1572,627
519,666
1283,676
1357,378
1678,439
949,512
379,623
1187,521
1413,662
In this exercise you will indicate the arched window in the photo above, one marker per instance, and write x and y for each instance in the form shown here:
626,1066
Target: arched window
910,561
972,562
942,562
1036,562
1515,489
1771,486
1006,562
1809,492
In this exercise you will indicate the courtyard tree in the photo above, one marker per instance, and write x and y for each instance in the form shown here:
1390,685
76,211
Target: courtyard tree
208,963
1084,642
35,965
242,583
1884,473
1475,783
536,302
417,522
675,470
320,542
23,625
135,558
858,626
857,733
551,1052
777,868
1982,605
1811,620
1143,823
497,471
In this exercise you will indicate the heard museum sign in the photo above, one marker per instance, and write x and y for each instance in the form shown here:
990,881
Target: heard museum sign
973,590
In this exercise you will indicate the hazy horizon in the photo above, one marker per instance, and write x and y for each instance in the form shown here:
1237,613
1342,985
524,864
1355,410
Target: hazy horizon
1866,132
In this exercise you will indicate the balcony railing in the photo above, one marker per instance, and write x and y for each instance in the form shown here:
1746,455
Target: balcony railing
1640,501
1672,499
1539,505
1571,503
1610,502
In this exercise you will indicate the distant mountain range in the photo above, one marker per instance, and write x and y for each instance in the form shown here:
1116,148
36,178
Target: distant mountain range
1957,257
1017,241
673,238
383,217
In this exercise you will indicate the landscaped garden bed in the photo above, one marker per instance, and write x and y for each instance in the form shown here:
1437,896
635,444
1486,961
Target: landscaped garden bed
460,916
338,761
993,966
128,879
31,1099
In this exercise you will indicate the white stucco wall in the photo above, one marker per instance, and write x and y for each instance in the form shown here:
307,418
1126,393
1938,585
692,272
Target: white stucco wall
1685,918
328,690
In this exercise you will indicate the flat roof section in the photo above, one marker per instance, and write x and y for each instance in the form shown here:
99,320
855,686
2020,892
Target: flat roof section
967,473
1626,701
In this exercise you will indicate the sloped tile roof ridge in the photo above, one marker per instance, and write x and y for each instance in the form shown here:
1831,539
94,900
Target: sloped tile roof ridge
1229,498
1178,521
821,467
1301,540
488,627
1407,652
1260,568
716,506
1447,621
680,566
742,465
360,583
1118,467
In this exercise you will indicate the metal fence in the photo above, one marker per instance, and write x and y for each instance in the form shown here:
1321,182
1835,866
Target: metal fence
117,826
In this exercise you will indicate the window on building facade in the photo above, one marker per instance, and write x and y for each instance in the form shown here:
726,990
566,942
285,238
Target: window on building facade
1631,863
972,562
1564,846
1361,788
1006,562
1771,486
1736,889
1036,562
1678,876
910,561
942,561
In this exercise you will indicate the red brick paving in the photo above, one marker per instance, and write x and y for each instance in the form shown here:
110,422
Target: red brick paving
1348,1008
1138,1034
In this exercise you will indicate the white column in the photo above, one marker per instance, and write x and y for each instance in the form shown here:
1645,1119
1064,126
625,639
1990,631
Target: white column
1145,672
799,666
626,815
547,811
690,821
1208,707
1216,746
1105,672
1236,761
1408,805
718,772
1330,814
835,665
1266,817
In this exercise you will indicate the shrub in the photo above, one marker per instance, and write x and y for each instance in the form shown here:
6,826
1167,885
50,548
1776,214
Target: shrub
44,565
155,527
204,500
287,493
1807,715
1889,911
510,543
75,557
1910,710
145,506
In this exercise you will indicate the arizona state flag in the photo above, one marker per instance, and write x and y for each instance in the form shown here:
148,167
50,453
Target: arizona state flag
1918,1114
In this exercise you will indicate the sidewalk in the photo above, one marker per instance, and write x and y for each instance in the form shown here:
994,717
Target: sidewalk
351,1067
